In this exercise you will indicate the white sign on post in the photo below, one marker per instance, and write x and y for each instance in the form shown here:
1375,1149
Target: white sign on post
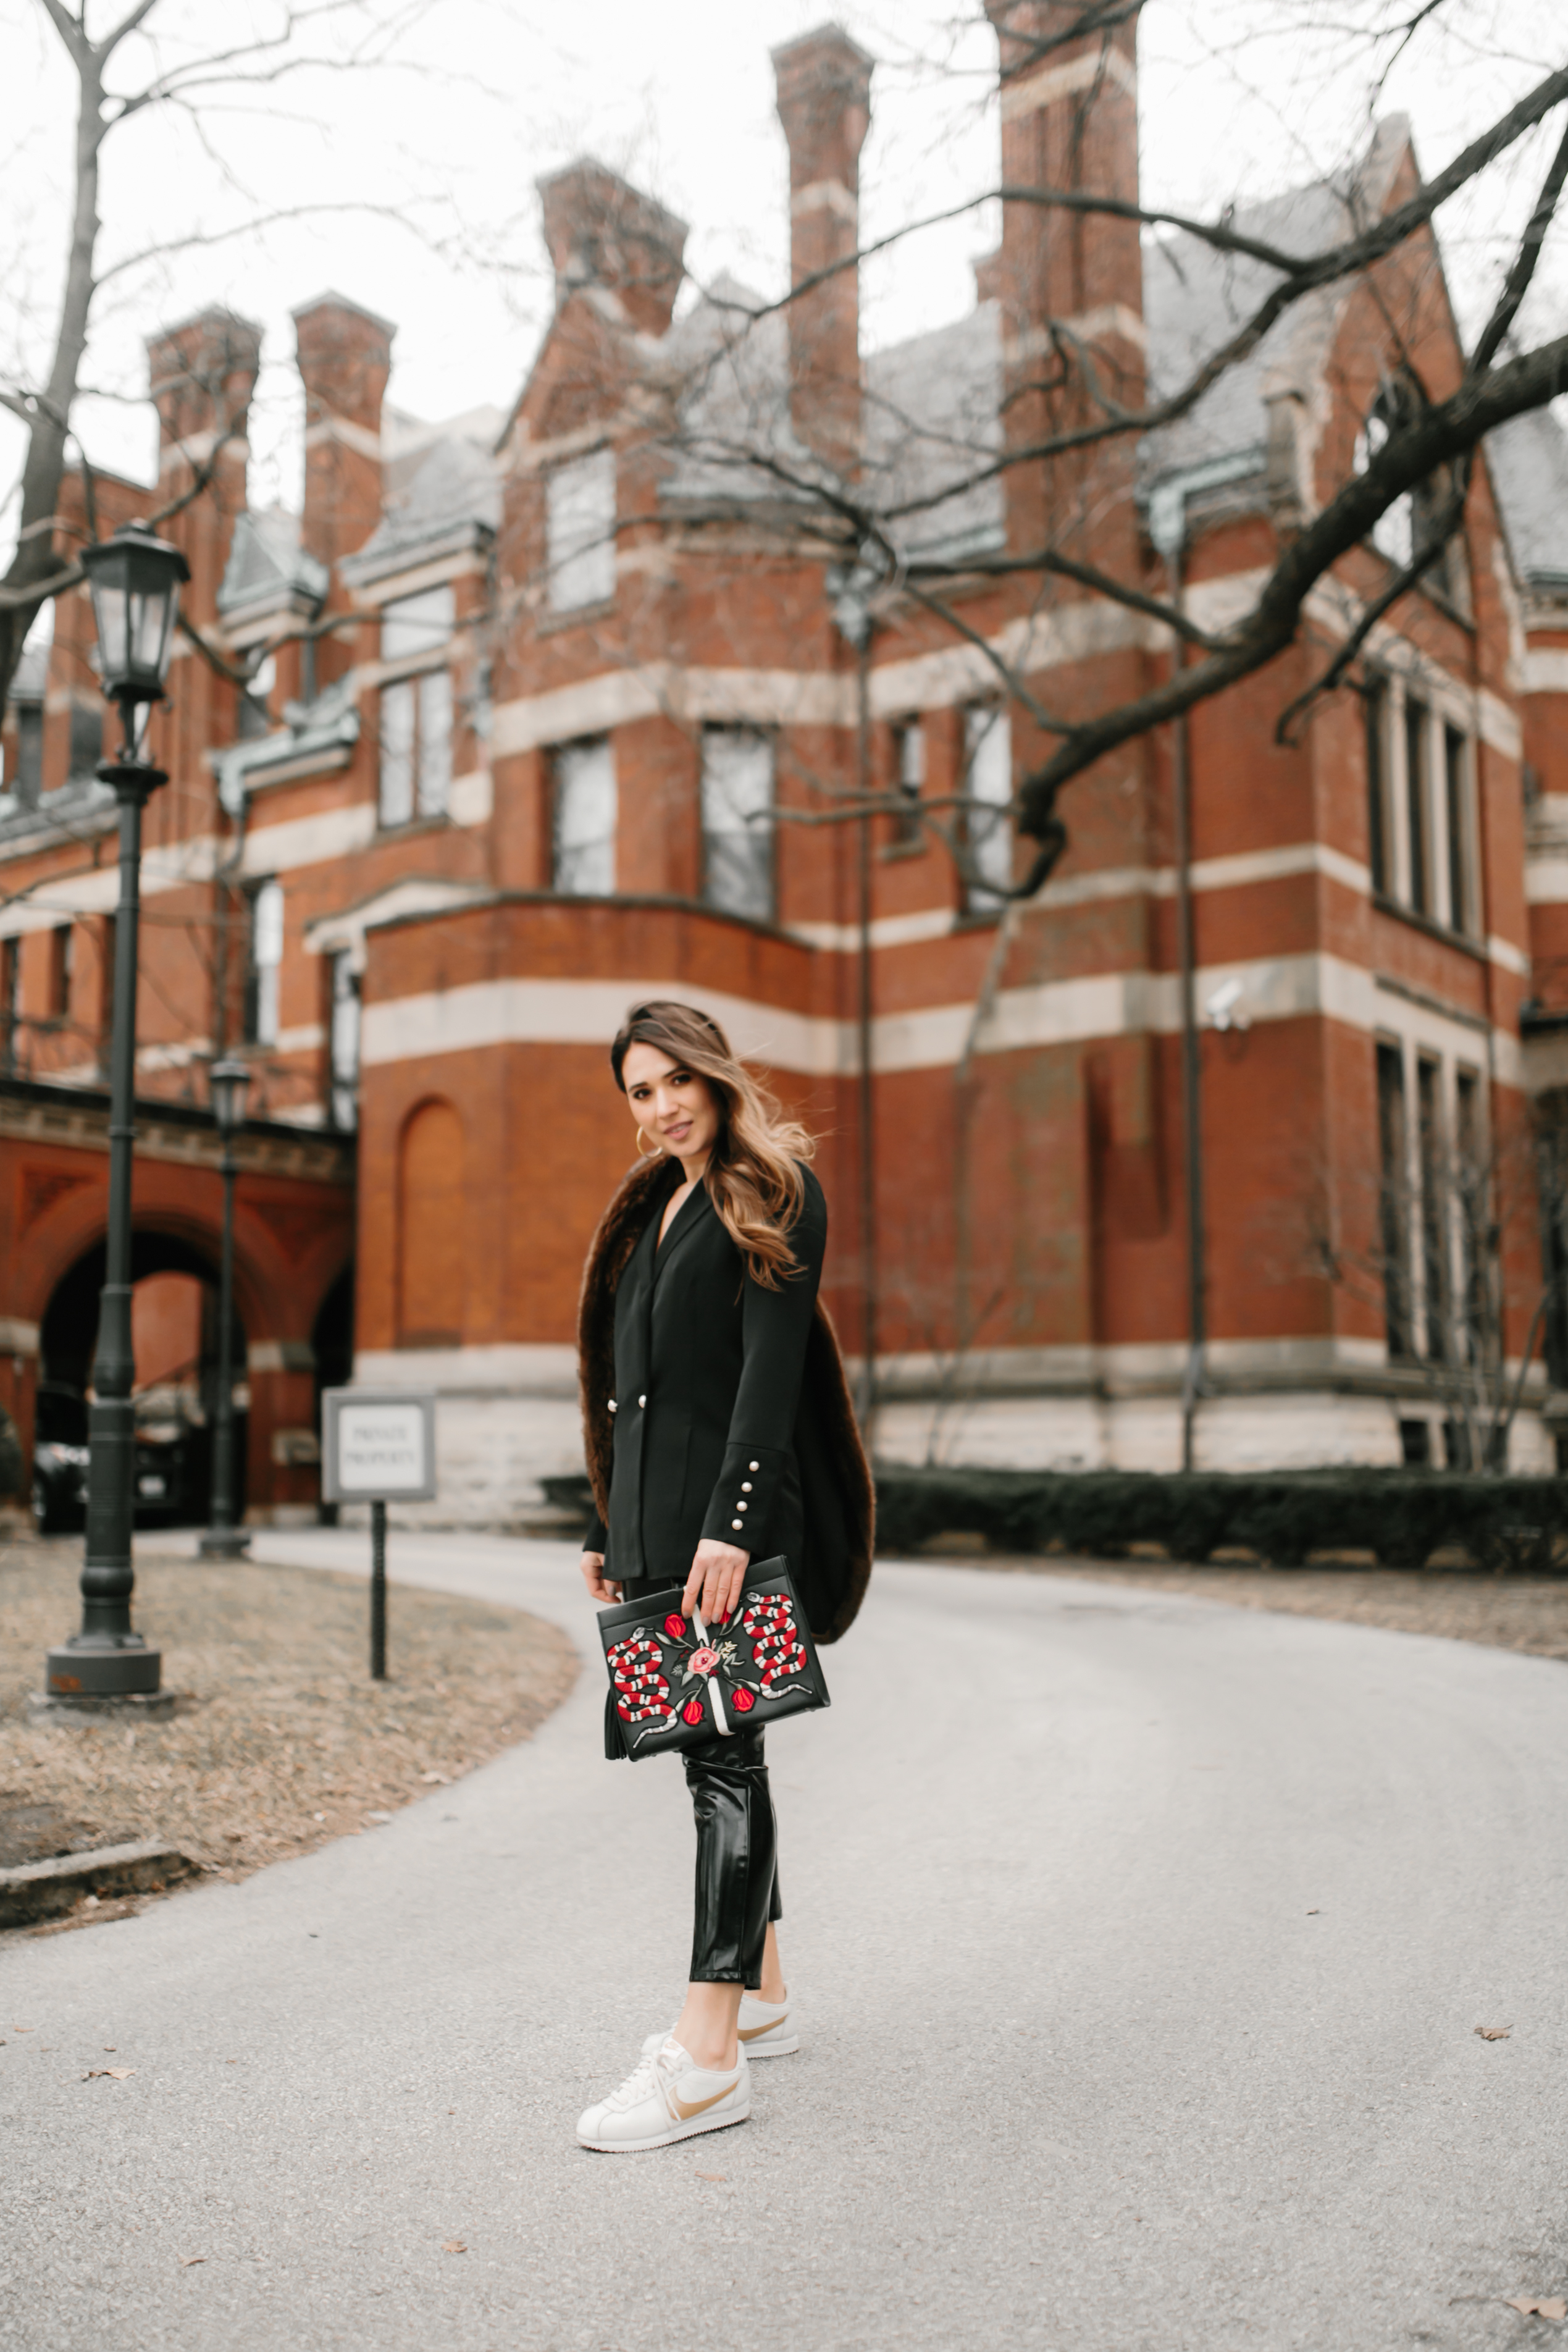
378,1445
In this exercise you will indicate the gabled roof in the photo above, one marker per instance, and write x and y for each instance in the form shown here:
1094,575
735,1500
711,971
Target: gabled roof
267,568
1195,299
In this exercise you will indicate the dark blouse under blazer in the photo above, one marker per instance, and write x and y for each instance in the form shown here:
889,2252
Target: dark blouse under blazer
708,1366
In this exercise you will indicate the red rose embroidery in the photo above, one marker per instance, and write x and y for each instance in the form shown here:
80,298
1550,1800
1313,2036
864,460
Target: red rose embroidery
742,1701
693,1710
675,1627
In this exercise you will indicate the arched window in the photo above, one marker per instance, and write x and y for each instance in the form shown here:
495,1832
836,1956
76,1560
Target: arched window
432,1266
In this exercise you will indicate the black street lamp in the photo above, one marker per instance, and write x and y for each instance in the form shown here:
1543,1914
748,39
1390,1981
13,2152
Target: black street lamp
227,1083
135,583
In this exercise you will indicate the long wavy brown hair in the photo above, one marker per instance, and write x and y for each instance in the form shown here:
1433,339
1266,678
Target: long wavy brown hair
753,1174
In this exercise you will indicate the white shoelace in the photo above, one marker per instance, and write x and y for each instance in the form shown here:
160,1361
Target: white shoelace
654,2074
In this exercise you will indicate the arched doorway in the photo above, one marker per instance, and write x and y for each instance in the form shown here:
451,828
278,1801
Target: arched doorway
174,1320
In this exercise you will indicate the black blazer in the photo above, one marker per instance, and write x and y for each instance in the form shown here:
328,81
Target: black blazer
708,1368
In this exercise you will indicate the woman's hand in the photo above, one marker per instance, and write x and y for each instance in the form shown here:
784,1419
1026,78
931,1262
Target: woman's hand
592,1567
713,1588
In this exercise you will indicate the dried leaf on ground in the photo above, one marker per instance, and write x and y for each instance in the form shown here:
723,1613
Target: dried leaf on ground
189,2261
454,2246
1494,2032
1542,2306
713,2176
115,2073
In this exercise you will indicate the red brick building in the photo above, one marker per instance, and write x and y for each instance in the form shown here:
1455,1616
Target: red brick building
554,709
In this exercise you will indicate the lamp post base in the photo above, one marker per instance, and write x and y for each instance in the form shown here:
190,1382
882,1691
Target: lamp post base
102,1665
124,1707
224,1543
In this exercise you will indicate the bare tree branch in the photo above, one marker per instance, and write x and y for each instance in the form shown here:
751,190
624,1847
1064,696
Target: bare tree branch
1443,433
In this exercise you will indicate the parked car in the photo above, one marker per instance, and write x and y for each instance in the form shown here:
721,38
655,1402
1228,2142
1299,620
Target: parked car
171,1466
60,1458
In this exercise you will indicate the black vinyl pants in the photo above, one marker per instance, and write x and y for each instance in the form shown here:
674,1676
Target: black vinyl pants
737,1869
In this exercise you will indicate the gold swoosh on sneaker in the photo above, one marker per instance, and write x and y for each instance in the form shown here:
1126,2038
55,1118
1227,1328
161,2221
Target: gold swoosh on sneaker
771,2027
685,2113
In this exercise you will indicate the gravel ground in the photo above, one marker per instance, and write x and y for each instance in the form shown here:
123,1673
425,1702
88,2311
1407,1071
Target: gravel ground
1505,1613
280,1741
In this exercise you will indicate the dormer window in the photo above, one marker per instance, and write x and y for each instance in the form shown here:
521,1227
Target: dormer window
579,532
416,709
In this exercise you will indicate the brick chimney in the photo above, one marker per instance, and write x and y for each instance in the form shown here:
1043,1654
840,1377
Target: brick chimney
344,355
823,83
600,231
1070,121
201,374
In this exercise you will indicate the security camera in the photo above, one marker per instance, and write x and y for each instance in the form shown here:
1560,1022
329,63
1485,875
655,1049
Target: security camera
1221,1009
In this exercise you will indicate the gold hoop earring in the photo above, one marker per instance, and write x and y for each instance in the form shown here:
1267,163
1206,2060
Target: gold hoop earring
655,1150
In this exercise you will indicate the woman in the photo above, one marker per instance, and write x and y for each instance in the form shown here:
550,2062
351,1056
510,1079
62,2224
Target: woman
718,1428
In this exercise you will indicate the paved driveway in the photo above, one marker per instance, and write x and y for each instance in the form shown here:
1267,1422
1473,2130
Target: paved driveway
1138,1944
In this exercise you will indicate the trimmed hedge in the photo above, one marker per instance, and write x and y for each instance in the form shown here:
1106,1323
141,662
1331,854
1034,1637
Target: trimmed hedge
1403,1515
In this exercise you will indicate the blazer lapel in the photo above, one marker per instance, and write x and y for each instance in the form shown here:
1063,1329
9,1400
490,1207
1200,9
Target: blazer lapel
689,1216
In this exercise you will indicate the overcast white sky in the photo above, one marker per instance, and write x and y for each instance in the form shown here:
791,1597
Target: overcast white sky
1238,97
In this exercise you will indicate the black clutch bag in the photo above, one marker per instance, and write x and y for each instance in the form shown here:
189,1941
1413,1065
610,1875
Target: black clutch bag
675,1682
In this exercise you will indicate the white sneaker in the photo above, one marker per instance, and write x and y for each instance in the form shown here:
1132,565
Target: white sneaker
764,2030
667,2098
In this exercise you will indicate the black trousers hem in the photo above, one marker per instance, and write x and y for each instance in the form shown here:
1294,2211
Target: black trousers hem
737,1889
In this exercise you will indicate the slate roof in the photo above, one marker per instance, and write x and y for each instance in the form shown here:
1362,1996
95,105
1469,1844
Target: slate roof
1528,462
267,566
930,406
440,493
932,413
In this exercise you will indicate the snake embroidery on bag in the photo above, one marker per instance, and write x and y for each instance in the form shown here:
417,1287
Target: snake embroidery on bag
641,1690
777,1650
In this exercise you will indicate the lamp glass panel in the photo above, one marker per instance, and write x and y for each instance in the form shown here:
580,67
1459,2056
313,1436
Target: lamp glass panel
149,631
229,1088
108,609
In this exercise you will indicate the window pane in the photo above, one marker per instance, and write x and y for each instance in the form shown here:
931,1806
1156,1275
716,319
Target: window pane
585,818
397,753
988,756
269,923
1394,1198
579,526
85,739
737,821
1453,813
266,959
1471,1173
434,741
1434,1207
909,774
417,625
1376,712
29,751
1416,803
344,1041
